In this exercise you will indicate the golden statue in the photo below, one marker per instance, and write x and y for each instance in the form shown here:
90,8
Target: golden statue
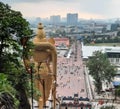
45,59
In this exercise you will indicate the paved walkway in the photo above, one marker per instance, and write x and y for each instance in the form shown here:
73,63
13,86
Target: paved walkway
70,75
106,97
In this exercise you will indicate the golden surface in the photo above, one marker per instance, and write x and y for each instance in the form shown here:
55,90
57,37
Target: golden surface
45,59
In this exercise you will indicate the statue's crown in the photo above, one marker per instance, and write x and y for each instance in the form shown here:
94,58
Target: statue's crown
40,31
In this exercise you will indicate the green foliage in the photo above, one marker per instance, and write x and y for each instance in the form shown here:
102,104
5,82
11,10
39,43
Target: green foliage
118,33
5,85
108,107
100,69
6,88
102,39
36,92
13,27
117,91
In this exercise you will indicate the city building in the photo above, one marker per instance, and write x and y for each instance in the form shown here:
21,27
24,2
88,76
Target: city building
114,57
72,19
114,27
113,54
55,19
62,42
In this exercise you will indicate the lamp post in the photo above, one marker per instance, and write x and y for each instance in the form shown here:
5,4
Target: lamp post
31,75
29,69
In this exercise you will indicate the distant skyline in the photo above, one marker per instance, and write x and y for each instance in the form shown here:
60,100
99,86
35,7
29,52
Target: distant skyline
87,9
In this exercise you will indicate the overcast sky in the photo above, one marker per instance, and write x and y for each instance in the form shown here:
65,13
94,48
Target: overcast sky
96,9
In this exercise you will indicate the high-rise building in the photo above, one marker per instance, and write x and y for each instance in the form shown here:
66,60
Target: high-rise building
55,19
114,27
72,19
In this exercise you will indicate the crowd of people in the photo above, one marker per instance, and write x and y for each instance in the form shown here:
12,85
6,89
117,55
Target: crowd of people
70,73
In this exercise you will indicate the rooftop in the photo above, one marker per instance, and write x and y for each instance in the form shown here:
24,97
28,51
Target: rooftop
88,50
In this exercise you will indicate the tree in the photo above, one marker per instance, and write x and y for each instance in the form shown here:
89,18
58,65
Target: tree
117,92
118,33
108,107
12,28
100,69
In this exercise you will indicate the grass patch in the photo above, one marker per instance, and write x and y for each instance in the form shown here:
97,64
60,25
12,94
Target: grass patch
104,44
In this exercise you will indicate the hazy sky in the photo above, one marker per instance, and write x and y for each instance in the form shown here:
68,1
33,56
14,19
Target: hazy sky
85,8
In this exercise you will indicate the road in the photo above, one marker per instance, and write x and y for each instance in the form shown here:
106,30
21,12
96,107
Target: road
70,75
73,78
